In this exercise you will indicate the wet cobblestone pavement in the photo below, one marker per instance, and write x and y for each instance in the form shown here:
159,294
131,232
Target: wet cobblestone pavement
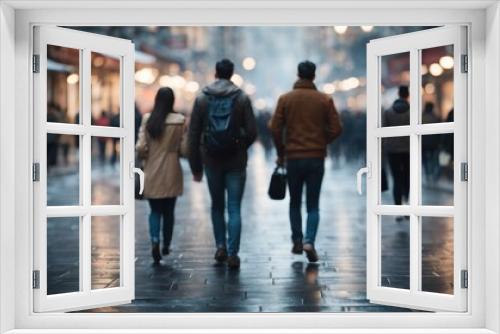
271,279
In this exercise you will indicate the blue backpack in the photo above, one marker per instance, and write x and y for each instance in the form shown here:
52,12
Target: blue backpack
222,132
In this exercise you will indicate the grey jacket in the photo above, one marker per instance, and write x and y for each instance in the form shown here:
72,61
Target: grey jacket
244,116
397,115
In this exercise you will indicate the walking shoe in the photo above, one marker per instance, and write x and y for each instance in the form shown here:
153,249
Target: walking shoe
155,252
220,255
311,254
165,250
297,247
233,262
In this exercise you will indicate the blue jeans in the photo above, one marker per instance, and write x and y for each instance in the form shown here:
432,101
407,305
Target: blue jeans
308,172
232,181
162,207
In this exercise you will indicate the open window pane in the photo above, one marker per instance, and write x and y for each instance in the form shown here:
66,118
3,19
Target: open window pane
395,171
395,251
106,251
63,255
437,254
63,84
437,84
395,80
63,169
106,171
437,169
106,90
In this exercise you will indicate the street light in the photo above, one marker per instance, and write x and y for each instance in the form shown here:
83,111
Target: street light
249,63
260,104
446,62
250,89
367,28
146,75
436,69
237,80
329,88
340,29
72,79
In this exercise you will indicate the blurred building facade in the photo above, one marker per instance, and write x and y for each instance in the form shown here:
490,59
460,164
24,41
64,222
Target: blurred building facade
265,66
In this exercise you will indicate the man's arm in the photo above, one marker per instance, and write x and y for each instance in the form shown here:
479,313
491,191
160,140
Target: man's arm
194,139
334,125
277,125
249,122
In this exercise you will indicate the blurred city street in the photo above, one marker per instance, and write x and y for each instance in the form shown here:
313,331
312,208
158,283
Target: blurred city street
271,279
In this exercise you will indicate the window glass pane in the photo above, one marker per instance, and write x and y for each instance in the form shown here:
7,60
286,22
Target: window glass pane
437,169
395,171
394,89
63,84
437,84
63,170
63,255
106,90
437,254
106,252
395,251
106,171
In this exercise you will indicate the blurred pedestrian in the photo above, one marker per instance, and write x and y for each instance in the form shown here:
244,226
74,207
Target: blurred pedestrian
160,145
54,115
448,139
304,123
398,148
430,146
264,134
222,128
103,120
115,148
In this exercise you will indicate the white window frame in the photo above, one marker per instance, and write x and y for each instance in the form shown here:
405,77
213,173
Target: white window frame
18,17
413,44
123,50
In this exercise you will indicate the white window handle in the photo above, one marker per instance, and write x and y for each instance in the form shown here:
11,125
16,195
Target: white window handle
359,174
134,170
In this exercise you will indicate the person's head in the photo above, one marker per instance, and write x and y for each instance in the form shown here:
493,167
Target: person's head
164,104
306,70
429,107
403,92
224,69
104,114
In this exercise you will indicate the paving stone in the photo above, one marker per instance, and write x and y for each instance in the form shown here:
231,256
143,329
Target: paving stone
271,279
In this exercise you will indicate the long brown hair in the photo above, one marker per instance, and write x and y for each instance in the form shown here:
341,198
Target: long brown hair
164,104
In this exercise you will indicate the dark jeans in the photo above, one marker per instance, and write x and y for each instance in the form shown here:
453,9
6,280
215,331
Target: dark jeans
308,172
400,170
162,207
232,181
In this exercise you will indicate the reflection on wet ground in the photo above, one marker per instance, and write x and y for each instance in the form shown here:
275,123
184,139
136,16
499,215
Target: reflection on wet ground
271,279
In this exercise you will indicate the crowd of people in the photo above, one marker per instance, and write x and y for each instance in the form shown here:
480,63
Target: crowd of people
396,150
221,129
304,127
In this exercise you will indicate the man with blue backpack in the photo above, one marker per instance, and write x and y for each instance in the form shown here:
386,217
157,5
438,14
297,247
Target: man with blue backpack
222,128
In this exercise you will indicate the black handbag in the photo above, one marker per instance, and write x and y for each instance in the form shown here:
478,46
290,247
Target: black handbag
277,186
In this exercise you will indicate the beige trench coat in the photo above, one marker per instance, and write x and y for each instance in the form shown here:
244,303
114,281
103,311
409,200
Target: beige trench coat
162,168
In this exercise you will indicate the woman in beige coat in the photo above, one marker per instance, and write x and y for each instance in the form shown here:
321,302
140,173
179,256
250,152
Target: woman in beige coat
159,145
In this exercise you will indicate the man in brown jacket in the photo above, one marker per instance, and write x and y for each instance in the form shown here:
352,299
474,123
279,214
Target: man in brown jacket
304,123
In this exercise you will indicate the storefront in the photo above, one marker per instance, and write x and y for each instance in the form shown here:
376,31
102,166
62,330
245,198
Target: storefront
472,28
